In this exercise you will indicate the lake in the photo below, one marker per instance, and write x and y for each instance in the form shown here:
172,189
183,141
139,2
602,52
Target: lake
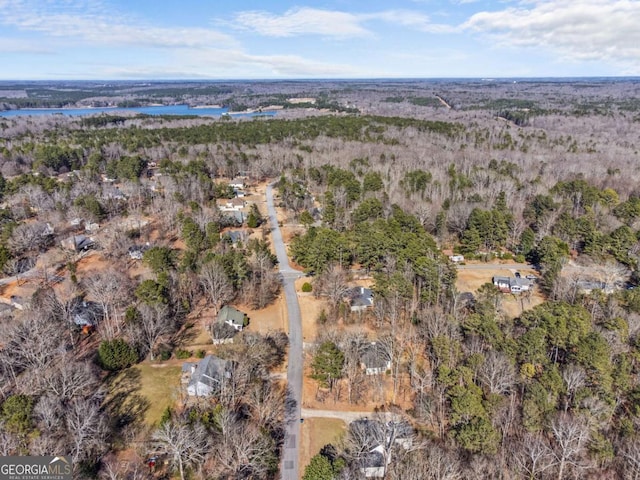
155,110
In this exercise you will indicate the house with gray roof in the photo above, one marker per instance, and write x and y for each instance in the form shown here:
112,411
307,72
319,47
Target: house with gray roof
233,317
512,284
380,441
207,377
374,359
361,298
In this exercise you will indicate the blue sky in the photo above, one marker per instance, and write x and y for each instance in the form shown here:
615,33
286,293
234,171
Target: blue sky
167,39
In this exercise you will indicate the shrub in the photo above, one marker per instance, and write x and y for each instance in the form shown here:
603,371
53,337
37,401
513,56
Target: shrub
182,354
200,353
520,258
165,354
306,287
116,354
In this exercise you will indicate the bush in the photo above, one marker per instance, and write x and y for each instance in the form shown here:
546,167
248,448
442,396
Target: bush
306,287
200,353
182,354
164,355
520,258
116,354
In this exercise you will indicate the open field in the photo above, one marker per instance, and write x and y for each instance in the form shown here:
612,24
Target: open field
145,390
469,280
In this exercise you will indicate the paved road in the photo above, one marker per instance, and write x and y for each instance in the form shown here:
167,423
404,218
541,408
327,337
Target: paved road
495,266
291,451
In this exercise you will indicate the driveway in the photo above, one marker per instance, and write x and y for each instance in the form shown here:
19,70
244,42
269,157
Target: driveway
291,450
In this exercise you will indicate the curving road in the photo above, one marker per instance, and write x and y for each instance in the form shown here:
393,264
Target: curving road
290,454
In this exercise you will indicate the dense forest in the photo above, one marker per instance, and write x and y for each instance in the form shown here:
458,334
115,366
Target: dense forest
381,179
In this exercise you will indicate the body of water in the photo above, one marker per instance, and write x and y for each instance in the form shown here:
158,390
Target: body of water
155,110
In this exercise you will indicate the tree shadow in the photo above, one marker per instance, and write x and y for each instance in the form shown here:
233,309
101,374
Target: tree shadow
187,334
124,405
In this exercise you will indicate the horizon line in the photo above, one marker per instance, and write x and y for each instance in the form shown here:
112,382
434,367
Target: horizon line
323,79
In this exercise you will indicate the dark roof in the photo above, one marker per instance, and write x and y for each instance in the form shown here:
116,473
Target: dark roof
231,315
372,459
374,356
86,313
361,297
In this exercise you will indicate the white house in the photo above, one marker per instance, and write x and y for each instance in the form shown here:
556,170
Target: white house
237,183
232,205
512,284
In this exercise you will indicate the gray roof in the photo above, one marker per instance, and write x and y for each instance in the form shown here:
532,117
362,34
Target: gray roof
86,313
372,459
210,371
231,315
512,281
374,356
361,297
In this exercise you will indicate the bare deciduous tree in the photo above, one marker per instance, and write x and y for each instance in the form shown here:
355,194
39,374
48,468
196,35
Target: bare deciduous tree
153,323
332,283
574,378
630,454
86,428
571,435
185,444
216,284
111,289
533,456
497,373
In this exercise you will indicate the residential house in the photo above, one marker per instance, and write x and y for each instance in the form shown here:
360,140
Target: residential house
77,243
373,464
235,236
237,183
91,227
86,314
234,204
361,298
234,317
136,252
207,377
381,438
374,359
512,284
232,218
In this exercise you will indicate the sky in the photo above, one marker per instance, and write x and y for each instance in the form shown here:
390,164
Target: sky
253,39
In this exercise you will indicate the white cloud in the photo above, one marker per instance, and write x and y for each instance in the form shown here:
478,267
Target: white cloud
302,21
329,23
579,30
411,19
218,63
90,21
15,45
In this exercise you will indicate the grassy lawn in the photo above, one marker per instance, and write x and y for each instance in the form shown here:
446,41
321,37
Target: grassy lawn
316,433
143,392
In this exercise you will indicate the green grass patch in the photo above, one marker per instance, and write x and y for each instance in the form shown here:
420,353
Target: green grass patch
143,392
